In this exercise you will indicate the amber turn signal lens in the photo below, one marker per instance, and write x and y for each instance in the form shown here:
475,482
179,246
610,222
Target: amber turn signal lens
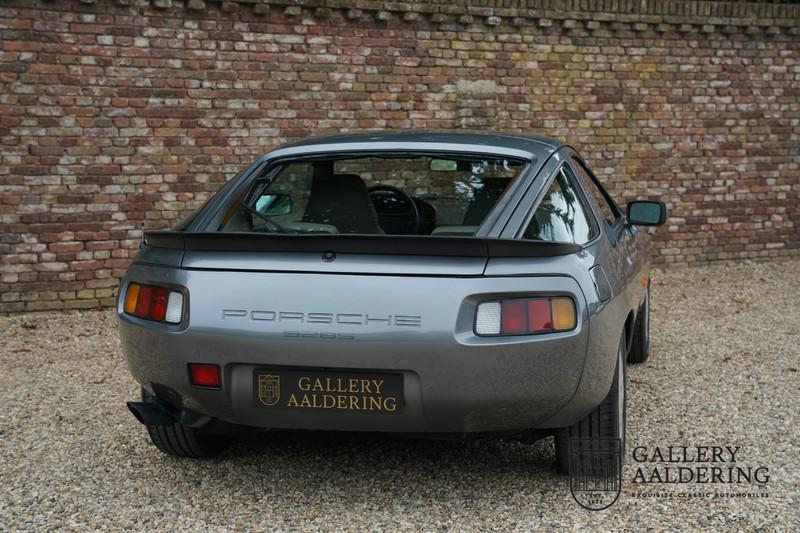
131,297
563,314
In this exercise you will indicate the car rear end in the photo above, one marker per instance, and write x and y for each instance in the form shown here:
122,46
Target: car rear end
409,321
361,291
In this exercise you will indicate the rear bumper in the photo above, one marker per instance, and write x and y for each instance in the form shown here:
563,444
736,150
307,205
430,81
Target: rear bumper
459,388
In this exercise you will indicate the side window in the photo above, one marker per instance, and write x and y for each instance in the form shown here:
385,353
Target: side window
607,210
561,216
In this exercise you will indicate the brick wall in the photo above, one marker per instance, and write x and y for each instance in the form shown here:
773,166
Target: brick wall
117,116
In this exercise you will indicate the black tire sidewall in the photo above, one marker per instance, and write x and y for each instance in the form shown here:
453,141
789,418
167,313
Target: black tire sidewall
183,441
640,343
646,323
620,426
588,427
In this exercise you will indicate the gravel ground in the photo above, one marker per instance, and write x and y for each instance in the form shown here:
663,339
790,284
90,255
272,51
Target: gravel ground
723,371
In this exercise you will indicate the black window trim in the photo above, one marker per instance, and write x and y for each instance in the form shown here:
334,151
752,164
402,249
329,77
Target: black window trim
614,207
593,220
614,229
215,209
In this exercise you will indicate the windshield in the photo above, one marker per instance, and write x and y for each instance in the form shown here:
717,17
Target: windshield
375,195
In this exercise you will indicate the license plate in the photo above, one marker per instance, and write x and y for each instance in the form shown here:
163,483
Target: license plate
334,391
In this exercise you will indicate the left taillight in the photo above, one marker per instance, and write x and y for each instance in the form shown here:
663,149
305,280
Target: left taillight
153,303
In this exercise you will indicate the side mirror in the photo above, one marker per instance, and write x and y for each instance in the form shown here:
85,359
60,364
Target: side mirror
646,213
275,204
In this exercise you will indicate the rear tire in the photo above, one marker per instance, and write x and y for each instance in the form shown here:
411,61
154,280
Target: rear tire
183,441
607,420
640,344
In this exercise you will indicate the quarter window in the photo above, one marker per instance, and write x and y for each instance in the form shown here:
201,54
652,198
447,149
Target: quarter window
561,216
608,211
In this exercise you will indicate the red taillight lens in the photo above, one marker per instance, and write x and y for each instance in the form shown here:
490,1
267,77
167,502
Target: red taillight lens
158,308
144,301
205,375
153,303
539,316
513,319
526,316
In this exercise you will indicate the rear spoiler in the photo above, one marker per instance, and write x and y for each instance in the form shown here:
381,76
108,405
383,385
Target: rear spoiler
356,244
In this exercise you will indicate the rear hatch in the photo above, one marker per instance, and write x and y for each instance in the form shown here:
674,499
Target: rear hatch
256,294
372,289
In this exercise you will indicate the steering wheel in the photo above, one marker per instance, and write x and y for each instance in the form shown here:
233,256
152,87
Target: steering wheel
399,196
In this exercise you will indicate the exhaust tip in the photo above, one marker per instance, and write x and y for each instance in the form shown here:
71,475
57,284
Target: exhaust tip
151,413
135,412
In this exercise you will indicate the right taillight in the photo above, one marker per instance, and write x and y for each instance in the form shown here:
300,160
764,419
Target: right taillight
525,316
153,303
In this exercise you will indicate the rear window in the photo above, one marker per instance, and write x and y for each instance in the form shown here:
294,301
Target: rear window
375,195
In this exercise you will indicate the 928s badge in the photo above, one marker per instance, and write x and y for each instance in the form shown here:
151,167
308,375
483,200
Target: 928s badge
269,389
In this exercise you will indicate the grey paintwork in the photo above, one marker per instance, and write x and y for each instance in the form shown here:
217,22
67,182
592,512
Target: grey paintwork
454,380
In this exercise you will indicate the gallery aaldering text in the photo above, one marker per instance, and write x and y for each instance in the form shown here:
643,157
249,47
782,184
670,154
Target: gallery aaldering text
694,464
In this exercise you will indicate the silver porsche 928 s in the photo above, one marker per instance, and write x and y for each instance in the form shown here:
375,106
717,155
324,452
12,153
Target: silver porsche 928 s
427,283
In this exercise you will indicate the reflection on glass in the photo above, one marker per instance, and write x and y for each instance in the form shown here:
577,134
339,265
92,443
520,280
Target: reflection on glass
560,215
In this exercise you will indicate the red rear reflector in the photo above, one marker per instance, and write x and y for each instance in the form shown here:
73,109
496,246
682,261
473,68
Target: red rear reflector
513,320
144,302
158,308
539,319
205,375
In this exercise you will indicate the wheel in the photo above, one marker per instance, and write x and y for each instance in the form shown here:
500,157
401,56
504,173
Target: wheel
183,441
606,421
640,344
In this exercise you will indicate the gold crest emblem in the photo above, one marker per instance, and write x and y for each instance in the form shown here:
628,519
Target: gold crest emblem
269,389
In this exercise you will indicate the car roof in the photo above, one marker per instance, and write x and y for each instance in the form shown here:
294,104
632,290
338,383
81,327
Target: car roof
533,146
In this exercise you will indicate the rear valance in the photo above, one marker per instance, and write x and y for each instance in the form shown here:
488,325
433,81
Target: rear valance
357,244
